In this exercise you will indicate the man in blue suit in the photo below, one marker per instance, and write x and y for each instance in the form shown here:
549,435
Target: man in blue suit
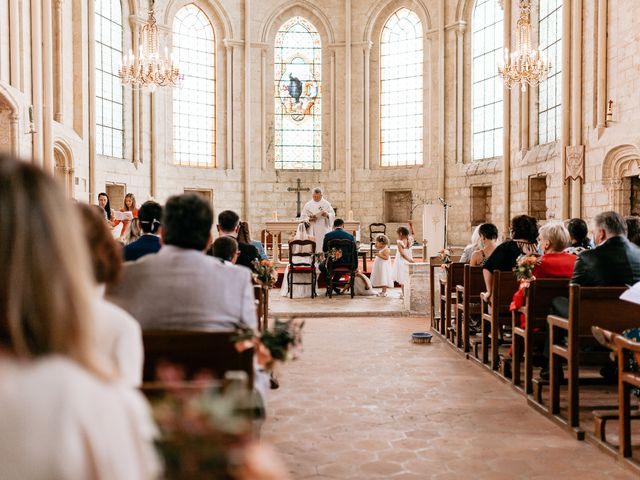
338,233
149,217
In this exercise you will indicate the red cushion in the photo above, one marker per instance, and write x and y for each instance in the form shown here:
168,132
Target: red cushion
301,269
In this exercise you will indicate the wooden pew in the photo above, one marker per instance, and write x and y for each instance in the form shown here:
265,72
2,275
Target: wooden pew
495,315
195,351
454,276
588,306
261,294
626,349
467,304
536,309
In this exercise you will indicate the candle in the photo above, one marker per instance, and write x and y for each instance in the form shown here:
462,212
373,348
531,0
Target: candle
350,217
275,216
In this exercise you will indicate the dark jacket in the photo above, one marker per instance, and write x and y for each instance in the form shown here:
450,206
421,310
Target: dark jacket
614,263
248,253
145,245
338,234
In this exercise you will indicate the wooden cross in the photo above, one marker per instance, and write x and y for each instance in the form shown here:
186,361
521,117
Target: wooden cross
298,189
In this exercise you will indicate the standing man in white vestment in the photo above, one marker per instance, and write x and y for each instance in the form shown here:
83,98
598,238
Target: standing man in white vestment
319,213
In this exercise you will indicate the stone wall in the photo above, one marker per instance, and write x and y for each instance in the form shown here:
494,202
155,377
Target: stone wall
245,115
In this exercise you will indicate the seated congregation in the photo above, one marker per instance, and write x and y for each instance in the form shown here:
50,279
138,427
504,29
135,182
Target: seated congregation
542,310
79,329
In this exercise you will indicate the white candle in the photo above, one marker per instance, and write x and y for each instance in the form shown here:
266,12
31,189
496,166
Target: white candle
275,215
350,217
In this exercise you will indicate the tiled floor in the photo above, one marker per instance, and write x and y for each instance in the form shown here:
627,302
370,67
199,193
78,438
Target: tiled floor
363,402
339,305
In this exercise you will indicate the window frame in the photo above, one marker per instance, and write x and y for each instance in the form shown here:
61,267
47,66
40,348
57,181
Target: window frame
555,75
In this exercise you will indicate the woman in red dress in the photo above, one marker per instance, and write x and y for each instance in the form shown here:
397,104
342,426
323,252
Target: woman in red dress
554,263
129,206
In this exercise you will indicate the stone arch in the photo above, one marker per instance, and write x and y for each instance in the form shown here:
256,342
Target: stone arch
9,116
63,170
314,15
620,164
382,8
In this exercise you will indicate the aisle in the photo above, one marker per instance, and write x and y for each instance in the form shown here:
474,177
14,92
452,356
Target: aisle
363,402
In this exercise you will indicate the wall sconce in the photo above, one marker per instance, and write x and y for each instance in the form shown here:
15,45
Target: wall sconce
32,126
610,111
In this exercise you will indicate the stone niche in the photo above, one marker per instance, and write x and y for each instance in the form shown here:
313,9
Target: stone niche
538,197
634,196
207,195
480,204
116,192
397,206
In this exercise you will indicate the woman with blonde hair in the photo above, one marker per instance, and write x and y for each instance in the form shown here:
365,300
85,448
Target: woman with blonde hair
129,206
65,416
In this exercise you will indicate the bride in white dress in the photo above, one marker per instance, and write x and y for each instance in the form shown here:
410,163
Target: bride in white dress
299,291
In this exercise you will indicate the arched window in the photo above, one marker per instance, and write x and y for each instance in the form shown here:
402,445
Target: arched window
401,86
298,96
550,90
194,103
487,88
108,88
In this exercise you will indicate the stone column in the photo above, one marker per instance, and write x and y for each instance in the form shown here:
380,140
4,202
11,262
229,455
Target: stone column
57,54
247,109
228,161
14,43
441,100
264,97
347,105
506,140
367,104
416,291
576,102
332,116
47,80
36,78
135,93
460,30
92,102
565,133
601,77
15,134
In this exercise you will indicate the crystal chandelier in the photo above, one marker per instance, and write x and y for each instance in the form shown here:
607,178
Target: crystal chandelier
149,69
525,65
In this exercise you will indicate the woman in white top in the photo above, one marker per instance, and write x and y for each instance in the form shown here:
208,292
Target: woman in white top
118,334
403,258
299,291
64,417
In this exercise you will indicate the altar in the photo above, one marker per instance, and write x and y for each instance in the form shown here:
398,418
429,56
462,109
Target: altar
288,229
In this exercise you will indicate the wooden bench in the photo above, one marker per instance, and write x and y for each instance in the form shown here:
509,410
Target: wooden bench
495,315
194,351
454,276
434,263
467,304
627,349
536,309
261,295
588,307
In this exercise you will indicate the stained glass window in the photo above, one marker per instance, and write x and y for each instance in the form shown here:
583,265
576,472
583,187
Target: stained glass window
109,90
298,96
401,86
487,93
550,90
194,103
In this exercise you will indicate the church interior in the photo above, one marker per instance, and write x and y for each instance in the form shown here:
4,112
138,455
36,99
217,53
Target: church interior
421,221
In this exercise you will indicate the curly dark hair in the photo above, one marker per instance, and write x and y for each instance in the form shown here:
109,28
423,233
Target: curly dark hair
524,227
578,230
488,231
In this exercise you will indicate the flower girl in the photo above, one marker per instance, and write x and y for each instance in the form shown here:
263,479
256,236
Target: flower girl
404,257
382,272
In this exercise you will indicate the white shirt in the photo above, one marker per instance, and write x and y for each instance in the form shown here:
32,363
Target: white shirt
322,225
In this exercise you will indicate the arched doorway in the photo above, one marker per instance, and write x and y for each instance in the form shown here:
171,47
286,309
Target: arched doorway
8,124
621,176
64,167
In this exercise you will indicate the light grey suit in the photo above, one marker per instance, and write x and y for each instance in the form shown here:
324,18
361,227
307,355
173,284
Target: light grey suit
185,289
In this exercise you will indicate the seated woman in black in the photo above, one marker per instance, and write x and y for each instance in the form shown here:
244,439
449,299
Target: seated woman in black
524,235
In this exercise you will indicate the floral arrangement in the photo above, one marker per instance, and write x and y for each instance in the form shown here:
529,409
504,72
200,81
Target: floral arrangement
445,256
265,272
335,254
203,428
524,269
281,344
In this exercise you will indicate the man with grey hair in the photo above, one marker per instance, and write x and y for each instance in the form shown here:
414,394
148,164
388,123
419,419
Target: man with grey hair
320,215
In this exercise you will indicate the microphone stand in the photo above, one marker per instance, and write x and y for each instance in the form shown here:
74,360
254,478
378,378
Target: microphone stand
446,206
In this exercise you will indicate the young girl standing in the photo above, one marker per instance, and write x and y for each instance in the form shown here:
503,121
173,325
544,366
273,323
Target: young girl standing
404,257
382,272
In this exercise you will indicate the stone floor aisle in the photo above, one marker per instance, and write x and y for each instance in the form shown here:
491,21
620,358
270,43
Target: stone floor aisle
363,402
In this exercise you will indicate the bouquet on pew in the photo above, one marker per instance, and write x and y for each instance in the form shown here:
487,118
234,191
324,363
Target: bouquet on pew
265,272
524,269
335,254
206,428
281,344
445,256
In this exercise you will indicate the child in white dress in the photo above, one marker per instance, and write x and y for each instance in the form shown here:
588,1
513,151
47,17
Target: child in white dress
404,257
382,272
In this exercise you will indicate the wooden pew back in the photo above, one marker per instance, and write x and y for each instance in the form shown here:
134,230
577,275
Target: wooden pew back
194,351
541,293
601,307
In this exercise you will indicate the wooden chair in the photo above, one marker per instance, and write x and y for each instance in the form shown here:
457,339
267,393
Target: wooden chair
588,307
496,315
266,239
536,309
467,304
454,276
195,351
627,350
375,229
305,249
347,265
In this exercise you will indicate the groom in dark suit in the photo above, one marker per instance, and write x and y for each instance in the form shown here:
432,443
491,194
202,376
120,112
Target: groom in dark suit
338,233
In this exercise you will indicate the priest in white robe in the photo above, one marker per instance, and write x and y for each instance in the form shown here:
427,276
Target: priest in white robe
320,215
